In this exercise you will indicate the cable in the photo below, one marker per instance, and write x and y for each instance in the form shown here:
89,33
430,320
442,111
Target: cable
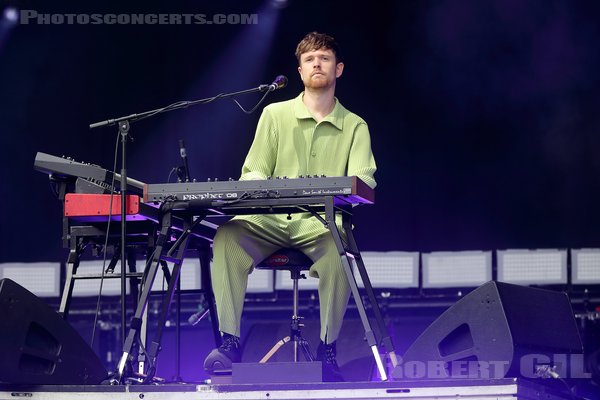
253,108
180,104
173,170
112,193
184,104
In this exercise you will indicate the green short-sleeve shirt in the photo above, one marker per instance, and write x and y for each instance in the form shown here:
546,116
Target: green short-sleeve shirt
289,142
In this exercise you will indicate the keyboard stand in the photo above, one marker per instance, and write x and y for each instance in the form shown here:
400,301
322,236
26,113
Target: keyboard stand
330,206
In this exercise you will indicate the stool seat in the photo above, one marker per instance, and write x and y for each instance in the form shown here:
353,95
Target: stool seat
286,259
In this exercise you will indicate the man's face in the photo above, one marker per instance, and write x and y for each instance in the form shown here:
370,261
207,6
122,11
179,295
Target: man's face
318,69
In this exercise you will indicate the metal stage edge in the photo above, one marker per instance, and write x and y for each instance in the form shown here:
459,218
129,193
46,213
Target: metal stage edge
497,389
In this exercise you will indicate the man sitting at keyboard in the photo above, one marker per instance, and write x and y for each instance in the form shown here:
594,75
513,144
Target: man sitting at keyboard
312,134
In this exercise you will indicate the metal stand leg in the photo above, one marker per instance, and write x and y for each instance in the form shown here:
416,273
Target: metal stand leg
136,321
180,247
308,356
133,281
76,248
300,344
204,255
154,347
346,264
296,325
142,337
385,337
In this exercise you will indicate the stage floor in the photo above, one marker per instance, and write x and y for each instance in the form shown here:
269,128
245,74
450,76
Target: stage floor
497,389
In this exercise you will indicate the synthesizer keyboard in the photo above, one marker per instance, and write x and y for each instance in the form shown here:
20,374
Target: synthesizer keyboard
89,178
349,188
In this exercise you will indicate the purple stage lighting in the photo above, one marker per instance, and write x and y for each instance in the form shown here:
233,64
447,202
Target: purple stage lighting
10,15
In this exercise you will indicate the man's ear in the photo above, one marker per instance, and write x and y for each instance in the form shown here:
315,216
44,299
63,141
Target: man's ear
339,68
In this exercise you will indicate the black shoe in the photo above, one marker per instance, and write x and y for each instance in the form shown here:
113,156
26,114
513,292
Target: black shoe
223,356
326,353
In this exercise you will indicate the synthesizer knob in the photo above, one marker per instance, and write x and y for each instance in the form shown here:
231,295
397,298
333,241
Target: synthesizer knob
216,179
285,177
300,176
269,177
230,179
208,180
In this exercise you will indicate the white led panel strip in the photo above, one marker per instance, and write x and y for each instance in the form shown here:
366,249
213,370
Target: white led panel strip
444,269
585,266
40,278
532,267
393,269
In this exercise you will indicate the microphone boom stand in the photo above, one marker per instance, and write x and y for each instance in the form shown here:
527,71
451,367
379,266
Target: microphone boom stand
123,130
124,127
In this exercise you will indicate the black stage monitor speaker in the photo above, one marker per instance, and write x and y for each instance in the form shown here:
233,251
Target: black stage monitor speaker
497,330
37,346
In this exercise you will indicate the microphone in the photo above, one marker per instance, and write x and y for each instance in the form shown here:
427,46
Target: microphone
183,154
279,83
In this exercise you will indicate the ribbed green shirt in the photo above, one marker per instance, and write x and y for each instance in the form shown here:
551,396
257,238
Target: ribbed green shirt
289,142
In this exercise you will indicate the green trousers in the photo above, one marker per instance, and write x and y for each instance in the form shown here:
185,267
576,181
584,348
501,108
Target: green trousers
243,242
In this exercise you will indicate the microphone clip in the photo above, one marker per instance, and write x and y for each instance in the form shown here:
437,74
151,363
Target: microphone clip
278,83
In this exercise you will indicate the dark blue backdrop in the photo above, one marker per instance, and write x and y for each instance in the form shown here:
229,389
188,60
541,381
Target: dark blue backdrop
484,114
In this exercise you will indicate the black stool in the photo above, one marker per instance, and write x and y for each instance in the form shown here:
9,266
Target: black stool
293,260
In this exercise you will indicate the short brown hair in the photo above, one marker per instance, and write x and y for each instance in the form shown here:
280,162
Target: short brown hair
318,41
